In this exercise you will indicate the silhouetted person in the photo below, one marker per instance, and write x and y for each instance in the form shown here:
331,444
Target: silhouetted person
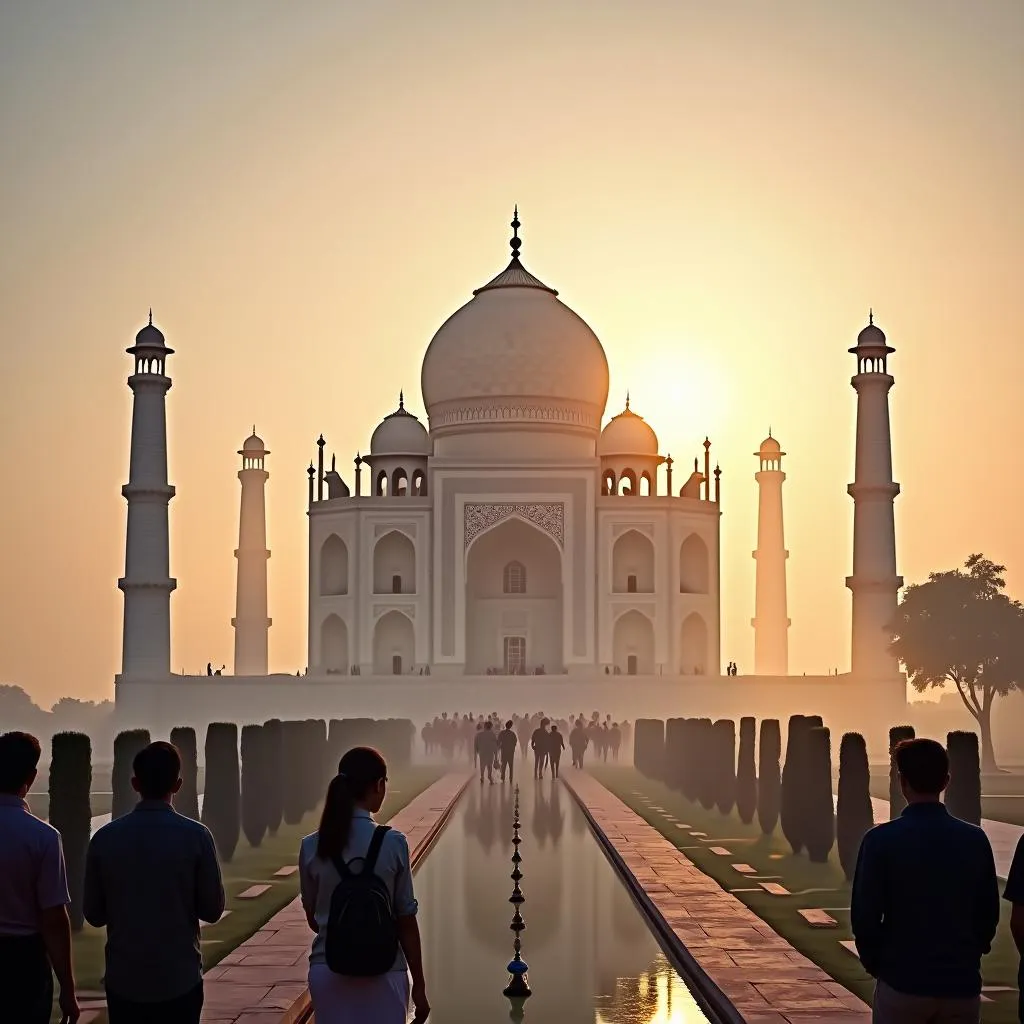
556,744
539,744
347,841
925,902
486,750
35,931
1014,894
578,743
507,741
615,738
150,877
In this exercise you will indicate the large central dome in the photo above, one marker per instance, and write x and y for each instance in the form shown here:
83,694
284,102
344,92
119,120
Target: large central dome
514,357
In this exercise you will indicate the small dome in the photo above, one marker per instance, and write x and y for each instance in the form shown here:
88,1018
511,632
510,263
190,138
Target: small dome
871,336
150,336
400,433
628,434
770,446
254,444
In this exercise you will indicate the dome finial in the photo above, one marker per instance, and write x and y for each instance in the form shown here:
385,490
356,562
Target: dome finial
150,316
769,433
401,400
627,400
871,317
515,241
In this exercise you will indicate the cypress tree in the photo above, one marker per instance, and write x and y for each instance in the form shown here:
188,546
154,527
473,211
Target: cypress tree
126,745
963,796
792,781
70,810
691,751
294,798
707,764
674,752
222,798
275,774
897,734
186,800
819,820
769,777
254,778
746,777
854,815
725,762
649,746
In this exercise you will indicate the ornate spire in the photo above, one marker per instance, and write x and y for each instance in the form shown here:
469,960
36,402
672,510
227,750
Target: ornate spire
515,241
627,401
150,316
871,317
401,401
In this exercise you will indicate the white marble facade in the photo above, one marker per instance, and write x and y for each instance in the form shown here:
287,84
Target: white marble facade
511,533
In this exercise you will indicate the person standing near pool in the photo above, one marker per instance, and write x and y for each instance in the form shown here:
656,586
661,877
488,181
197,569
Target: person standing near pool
539,743
507,742
556,744
1014,895
348,861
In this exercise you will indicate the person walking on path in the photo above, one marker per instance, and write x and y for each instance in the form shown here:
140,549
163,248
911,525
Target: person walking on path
507,741
925,901
1014,895
487,750
539,744
578,743
344,986
556,744
35,931
150,877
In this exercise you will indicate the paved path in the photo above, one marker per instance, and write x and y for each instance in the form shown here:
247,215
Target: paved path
1003,836
265,977
763,976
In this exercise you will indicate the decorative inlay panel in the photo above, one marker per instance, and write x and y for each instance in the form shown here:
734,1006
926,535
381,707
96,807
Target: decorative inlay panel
548,516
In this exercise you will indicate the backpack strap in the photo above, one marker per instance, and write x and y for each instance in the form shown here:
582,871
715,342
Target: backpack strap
370,860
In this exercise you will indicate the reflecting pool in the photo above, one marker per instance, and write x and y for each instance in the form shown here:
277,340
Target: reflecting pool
591,956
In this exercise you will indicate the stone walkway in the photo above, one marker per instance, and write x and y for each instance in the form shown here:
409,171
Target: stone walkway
263,981
760,973
1003,836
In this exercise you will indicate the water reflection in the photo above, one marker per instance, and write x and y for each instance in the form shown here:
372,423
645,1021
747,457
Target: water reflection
592,958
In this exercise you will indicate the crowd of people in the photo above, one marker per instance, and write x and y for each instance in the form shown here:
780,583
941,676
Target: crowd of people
924,905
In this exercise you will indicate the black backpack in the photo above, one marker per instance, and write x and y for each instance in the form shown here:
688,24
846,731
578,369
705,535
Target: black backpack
362,934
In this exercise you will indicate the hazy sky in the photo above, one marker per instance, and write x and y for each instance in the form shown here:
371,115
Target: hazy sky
303,192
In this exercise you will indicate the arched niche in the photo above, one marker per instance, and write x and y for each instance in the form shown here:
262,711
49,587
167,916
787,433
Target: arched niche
399,483
693,646
694,566
333,566
628,483
419,483
633,644
492,616
394,564
394,645
608,482
381,486
633,564
646,484
334,645
513,578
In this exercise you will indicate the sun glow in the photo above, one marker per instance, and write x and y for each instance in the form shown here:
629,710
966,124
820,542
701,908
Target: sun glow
658,996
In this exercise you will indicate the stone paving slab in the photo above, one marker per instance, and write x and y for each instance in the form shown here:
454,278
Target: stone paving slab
286,871
774,888
264,978
763,976
818,918
744,869
253,892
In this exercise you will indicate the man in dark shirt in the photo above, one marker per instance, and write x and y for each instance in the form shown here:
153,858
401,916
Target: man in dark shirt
1014,894
507,741
151,876
925,902
539,743
35,931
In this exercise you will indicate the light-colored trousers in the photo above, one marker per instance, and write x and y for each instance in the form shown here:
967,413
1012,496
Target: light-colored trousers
342,1000
892,1007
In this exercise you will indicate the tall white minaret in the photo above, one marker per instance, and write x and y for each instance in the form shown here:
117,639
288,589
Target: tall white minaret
874,582
147,584
251,622
770,622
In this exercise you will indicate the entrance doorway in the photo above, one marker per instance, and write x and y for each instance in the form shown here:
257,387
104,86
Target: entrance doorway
631,665
396,664
515,655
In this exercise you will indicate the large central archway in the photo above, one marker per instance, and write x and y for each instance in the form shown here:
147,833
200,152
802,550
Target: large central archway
514,601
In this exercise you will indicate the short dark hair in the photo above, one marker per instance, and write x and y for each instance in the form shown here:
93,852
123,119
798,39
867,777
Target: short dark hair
923,764
488,724
19,758
157,768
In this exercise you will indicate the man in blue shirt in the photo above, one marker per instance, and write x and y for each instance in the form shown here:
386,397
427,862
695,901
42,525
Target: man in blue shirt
925,902
1014,894
150,877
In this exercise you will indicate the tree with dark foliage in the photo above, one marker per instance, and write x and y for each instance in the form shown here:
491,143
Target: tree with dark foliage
254,780
960,627
275,774
963,795
769,777
897,734
725,765
126,745
70,810
854,815
186,800
746,772
819,827
222,796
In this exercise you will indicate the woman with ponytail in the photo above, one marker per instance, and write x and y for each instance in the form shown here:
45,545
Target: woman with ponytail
345,984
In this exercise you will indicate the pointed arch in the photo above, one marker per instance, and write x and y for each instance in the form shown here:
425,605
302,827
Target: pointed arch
513,578
693,646
394,559
633,644
334,645
633,564
694,566
628,484
419,483
394,645
608,482
646,484
380,488
399,483
333,566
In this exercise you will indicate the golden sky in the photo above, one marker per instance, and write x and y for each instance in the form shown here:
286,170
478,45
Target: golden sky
304,192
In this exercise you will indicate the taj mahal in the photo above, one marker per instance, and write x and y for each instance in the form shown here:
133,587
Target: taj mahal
514,541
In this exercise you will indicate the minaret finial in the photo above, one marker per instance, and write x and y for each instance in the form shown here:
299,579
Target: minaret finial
871,317
769,433
515,241
150,316
401,400
254,430
627,400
